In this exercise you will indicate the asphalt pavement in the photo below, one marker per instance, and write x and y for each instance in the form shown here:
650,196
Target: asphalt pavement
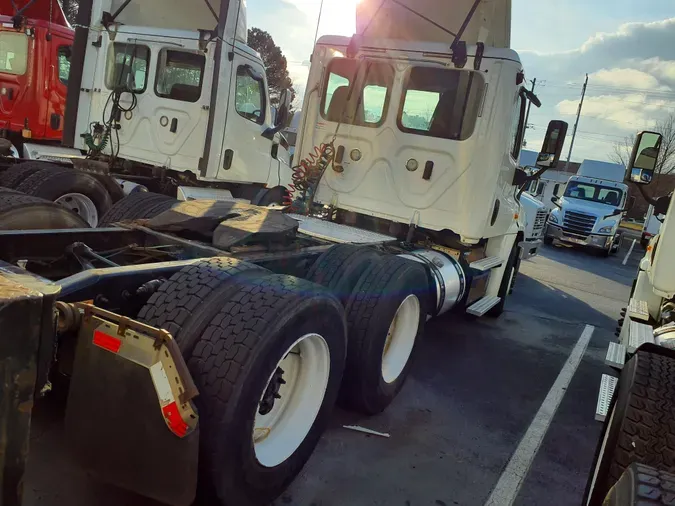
496,411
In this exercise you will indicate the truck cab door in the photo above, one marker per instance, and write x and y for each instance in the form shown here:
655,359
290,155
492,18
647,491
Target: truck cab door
165,105
61,50
246,153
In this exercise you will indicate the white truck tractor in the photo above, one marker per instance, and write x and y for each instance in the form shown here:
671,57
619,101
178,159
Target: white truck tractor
159,99
634,457
590,211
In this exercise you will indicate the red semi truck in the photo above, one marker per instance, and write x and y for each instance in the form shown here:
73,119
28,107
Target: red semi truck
35,48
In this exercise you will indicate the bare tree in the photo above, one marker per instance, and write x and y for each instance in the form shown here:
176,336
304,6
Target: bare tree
666,162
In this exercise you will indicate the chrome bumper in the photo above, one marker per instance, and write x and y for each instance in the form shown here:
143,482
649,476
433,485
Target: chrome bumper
592,241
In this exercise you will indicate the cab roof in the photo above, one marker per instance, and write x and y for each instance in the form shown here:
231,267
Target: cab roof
436,48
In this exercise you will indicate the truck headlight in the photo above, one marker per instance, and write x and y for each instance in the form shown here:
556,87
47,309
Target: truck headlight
553,218
606,230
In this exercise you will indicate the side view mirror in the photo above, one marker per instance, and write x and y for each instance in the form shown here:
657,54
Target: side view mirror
643,159
555,199
553,144
281,116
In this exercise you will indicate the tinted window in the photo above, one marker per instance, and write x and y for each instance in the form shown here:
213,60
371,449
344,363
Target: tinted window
441,102
366,106
13,53
180,75
250,94
127,67
64,63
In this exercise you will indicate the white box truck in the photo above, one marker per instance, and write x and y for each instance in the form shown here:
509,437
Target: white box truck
590,211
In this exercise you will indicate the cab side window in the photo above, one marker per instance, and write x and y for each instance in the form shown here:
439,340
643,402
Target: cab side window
249,100
517,126
180,75
64,53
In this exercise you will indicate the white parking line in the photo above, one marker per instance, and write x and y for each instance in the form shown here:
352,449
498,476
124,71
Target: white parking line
625,260
508,486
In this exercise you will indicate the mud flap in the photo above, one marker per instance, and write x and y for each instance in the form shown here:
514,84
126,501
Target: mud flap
129,416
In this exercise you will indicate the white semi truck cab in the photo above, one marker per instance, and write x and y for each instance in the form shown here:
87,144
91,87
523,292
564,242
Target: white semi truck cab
426,126
591,208
170,90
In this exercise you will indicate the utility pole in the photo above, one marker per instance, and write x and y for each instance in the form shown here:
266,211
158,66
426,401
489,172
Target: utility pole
529,104
576,123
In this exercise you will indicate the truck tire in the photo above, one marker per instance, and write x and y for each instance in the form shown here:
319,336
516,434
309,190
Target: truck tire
19,172
19,211
640,428
247,363
137,206
78,191
185,304
508,279
642,486
386,313
341,267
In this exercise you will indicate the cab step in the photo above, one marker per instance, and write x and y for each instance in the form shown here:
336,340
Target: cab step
638,310
487,263
482,306
607,386
638,334
616,355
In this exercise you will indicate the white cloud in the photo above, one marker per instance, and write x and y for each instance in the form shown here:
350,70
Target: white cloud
626,77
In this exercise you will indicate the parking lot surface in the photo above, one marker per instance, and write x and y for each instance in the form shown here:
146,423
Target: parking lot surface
461,431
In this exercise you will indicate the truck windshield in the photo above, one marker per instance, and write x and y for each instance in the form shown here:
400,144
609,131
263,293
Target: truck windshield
368,104
13,53
596,193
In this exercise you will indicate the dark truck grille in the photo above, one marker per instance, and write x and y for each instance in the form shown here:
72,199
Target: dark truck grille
578,224
539,222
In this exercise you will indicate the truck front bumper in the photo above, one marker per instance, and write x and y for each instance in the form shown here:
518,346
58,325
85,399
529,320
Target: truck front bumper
529,248
592,241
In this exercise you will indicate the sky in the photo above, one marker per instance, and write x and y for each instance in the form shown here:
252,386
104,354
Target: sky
627,47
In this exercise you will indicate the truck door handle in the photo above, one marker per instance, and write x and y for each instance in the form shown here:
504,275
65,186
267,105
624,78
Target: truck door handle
174,125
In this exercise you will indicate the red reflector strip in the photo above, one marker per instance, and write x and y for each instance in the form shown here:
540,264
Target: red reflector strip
107,342
173,418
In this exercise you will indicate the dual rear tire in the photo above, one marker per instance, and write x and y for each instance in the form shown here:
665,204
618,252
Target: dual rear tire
270,355
267,354
88,195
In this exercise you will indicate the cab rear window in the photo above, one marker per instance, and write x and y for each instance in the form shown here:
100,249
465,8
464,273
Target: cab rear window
13,53
365,106
127,67
441,102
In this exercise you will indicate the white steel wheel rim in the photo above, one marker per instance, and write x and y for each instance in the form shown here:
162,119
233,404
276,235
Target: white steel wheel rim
400,338
280,432
80,204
